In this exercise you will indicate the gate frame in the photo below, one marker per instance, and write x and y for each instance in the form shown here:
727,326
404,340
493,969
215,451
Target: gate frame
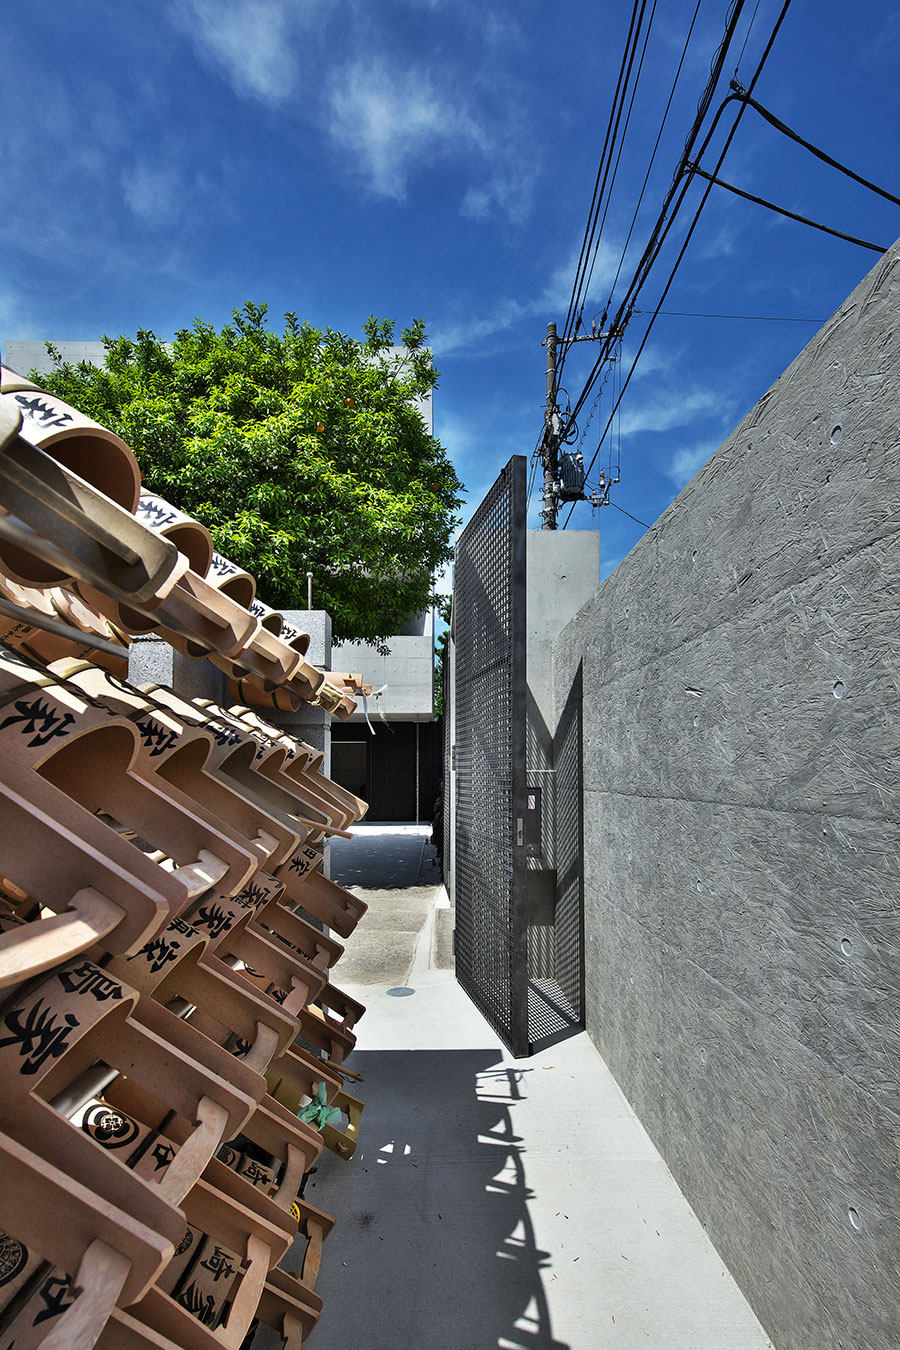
512,479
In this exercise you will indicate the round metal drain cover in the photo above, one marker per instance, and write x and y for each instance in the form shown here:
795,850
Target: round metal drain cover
401,991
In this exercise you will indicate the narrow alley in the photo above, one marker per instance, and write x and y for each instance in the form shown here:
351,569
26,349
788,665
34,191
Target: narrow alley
492,1202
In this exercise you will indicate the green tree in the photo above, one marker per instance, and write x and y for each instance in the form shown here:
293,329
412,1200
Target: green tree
300,452
443,606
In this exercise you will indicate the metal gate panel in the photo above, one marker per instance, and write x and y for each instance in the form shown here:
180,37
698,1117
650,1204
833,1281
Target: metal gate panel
489,622
448,810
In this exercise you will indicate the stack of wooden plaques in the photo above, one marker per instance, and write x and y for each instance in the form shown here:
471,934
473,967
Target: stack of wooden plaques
170,1038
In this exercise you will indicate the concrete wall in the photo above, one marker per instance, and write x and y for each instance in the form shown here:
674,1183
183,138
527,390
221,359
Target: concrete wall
309,724
741,836
562,569
23,355
405,675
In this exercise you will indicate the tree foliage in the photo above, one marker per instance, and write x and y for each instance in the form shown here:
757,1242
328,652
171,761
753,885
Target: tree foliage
443,614
300,452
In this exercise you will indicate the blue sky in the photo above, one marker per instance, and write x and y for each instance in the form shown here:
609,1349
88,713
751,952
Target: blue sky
436,158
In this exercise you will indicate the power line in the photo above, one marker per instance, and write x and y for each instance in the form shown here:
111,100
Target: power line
808,145
585,245
747,36
693,225
612,182
783,210
629,515
652,158
535,459
602,174
664,219
724,151
761,318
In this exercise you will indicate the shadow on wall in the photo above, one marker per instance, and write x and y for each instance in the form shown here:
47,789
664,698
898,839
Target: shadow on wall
435,1245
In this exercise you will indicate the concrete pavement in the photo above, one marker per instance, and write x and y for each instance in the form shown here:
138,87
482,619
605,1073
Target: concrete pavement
395,870
493,1202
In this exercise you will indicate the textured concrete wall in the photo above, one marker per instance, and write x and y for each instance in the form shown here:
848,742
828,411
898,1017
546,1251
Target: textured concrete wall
29,354
406,675
309,724
562,572
740,769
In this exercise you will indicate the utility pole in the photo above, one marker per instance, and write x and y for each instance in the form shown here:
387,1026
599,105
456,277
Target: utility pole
567,486
550,445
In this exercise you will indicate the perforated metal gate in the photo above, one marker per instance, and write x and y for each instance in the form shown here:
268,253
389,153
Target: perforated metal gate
489,619
448,812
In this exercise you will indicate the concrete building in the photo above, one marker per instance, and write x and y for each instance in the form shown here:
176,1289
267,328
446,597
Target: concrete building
390,750
23,355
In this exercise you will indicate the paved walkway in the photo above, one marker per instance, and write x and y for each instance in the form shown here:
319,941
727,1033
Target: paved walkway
494,1203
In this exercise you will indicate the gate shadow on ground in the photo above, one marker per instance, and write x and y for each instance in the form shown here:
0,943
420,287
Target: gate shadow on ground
434,1244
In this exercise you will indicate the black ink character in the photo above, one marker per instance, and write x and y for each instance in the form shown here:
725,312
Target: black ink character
42,412
156,513
159,952
218,1264
38,1036
214,918
221,735
13,1258
109,1128
203,1307
256,895
160,738
257,1174
162,1156
38,721
89,979
55,1291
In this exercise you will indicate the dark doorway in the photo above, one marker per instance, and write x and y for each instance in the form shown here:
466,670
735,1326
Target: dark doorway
397,770
350,766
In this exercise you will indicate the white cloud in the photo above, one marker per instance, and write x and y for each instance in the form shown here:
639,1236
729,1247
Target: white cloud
670,409
504,194
722,243
476,204
463,336
251,42
559,288
388,115
156,195
686,461
886,46
551,302
655,360
391,120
